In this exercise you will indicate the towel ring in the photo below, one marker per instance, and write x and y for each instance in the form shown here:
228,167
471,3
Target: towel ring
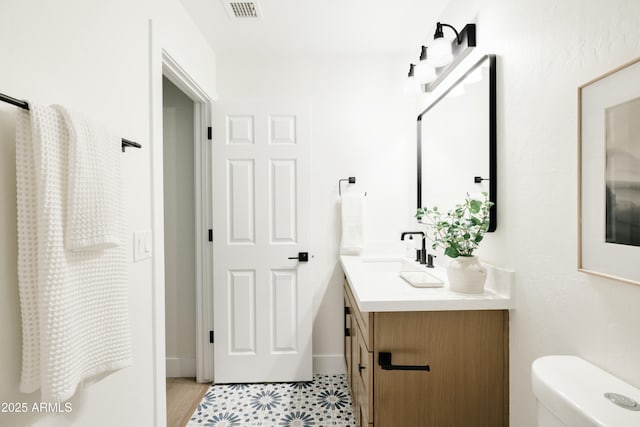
350,180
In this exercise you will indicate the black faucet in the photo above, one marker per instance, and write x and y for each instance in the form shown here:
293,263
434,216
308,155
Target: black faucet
421,254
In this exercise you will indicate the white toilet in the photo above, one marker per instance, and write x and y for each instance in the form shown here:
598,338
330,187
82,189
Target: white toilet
571,393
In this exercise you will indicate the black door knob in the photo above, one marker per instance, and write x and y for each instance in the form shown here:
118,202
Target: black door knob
302,257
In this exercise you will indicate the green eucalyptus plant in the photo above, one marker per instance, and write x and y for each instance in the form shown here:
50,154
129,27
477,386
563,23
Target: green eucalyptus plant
459,231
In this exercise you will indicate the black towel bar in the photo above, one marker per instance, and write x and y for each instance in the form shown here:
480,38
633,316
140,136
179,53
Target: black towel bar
25,106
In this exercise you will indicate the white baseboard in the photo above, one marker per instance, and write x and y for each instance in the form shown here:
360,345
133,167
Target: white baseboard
181,367
328,364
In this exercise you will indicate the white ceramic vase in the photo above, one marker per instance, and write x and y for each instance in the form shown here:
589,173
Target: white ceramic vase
466,274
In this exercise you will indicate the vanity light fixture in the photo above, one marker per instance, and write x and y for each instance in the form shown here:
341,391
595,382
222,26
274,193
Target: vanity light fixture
441,53
424,72
443,56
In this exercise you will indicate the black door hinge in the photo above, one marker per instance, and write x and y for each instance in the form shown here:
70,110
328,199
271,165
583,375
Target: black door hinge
210,235
211,337
209,133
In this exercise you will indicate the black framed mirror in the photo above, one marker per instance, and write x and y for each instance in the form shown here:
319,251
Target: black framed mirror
457,141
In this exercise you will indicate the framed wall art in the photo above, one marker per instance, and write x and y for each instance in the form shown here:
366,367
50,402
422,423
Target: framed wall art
609,174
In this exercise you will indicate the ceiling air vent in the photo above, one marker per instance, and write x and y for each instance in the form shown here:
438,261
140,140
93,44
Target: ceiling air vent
241,9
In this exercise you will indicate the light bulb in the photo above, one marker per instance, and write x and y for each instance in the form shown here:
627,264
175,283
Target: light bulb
425,73
440,53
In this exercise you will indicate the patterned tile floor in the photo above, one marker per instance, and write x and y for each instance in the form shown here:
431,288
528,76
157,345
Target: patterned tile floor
321,403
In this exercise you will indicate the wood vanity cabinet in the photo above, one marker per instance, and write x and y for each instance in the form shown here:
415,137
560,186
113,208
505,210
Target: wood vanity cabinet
467,354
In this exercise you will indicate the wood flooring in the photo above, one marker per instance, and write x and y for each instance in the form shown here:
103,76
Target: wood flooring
183,396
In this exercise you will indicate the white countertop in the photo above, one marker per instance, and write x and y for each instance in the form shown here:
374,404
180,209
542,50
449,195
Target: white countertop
378,288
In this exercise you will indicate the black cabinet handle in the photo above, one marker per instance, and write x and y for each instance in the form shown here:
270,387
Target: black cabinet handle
360,367
347,332
384,360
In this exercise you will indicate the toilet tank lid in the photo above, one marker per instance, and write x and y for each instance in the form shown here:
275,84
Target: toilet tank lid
573,390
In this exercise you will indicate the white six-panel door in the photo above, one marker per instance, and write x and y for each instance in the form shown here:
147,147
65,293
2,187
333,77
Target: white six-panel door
261,217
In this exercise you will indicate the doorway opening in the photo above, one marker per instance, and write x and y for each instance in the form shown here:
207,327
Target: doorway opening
179,232
186,257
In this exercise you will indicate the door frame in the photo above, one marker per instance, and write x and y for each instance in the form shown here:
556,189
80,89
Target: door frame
202,220
163,64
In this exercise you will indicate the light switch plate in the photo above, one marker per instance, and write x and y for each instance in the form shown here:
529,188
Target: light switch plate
142,245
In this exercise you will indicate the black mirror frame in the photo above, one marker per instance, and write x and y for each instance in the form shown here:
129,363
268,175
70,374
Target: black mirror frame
493,173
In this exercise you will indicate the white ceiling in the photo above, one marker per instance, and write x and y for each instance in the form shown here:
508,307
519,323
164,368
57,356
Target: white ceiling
320,26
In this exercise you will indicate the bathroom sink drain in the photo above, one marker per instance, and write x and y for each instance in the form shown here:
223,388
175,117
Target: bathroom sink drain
623,401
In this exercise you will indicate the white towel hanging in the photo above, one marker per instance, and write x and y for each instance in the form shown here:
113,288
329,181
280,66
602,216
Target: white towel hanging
75,315
352,208
93,197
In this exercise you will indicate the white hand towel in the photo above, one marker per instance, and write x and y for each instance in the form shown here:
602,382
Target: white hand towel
75,315
352,223
93,191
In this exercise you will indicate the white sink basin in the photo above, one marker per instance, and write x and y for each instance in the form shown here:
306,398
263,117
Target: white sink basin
389,265
412,272
421,279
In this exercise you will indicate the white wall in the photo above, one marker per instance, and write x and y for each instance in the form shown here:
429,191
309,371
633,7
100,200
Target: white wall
362,126
546,49
179,232
92,56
